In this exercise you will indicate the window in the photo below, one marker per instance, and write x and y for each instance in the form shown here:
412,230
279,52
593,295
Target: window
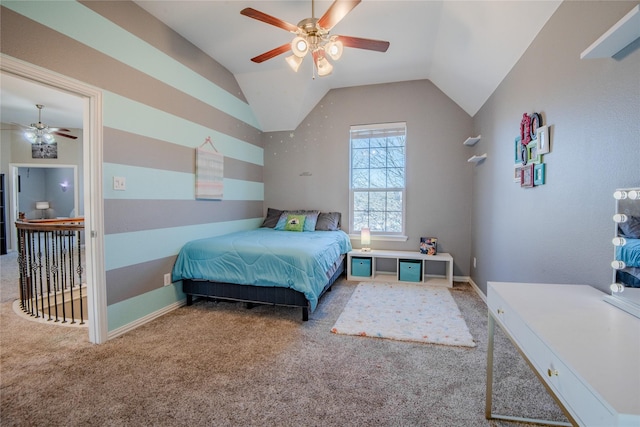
377,187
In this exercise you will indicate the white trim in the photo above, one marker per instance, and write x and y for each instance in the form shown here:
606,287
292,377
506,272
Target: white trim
380,126
475,287
146,319
381,237
92,166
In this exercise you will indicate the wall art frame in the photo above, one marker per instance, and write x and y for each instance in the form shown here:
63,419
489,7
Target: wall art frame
526,176
539,174
542,138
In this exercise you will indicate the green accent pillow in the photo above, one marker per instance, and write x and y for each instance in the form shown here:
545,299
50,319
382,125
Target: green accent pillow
294,223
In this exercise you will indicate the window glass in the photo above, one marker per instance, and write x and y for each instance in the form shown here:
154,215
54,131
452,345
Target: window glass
378,178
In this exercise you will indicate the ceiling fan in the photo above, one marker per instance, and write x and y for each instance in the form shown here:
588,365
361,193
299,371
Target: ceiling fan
39,133
312,35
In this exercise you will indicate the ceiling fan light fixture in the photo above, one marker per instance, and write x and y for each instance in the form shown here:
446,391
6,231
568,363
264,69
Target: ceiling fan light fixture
30,136
299,46
294,62
324,67
334,48
48,138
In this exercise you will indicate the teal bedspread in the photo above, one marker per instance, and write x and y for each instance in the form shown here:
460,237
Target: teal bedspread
265,257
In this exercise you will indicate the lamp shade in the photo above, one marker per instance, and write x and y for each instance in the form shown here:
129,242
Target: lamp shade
294,62
334,49
42,205
365,236
324,67
299,46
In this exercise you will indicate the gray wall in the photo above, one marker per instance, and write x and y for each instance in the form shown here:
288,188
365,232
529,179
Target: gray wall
43,184
438,176
559,232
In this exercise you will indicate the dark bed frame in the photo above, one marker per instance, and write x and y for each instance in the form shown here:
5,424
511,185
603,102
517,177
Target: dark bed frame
255,294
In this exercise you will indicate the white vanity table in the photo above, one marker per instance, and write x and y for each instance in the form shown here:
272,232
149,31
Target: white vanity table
586,352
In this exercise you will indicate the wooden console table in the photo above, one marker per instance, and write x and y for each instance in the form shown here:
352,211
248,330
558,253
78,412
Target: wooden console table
585,352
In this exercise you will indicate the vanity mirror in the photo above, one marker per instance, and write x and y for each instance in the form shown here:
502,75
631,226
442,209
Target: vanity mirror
625,288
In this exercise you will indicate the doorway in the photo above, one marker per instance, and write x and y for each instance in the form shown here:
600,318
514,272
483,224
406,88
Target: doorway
55,186
91,99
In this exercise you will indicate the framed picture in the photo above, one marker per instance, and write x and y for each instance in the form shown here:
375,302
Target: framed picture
516,173
526,176
533,154
517,150
209,174
542,137
538,174
44,151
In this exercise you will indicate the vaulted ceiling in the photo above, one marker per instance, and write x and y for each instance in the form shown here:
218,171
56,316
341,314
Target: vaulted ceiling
465,48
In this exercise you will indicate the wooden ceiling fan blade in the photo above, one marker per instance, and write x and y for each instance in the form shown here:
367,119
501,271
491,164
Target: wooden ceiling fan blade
338,10
65,135
360,43
261,16
272,53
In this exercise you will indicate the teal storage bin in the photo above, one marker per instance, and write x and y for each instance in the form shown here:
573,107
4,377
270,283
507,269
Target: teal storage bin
360,266
410,270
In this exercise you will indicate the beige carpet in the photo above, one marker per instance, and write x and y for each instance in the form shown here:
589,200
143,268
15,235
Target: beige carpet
219,364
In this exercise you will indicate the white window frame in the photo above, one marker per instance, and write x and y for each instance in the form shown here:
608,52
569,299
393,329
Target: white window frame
378,235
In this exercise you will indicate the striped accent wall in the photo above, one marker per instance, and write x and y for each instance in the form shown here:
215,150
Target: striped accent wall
162,97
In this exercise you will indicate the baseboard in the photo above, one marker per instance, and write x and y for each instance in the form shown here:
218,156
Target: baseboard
145,319
469,280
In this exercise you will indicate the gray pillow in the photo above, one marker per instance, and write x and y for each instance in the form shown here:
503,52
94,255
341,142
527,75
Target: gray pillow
273,215
630,228
328,221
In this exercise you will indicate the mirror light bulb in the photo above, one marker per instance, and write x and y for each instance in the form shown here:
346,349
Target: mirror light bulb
620,195
619,241
619,218
616,288
634,194
618,265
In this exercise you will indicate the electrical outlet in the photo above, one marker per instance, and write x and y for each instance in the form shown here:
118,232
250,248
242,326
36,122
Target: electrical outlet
474,262
167,279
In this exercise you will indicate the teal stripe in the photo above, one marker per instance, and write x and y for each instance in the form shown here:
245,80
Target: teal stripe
156,184
132,116
84,25
128,311
124,249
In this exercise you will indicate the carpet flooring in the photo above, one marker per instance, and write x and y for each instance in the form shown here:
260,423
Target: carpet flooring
405,312
220,364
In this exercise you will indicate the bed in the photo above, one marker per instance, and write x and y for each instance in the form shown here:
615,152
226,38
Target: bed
269,265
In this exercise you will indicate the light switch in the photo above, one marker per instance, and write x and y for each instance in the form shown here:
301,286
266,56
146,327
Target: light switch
119,183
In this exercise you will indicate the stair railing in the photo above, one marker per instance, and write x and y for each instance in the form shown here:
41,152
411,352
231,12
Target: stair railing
51,266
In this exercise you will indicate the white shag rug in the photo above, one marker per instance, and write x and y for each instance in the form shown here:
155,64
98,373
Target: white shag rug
405,312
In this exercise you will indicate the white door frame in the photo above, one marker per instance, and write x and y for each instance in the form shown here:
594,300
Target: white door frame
92,177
